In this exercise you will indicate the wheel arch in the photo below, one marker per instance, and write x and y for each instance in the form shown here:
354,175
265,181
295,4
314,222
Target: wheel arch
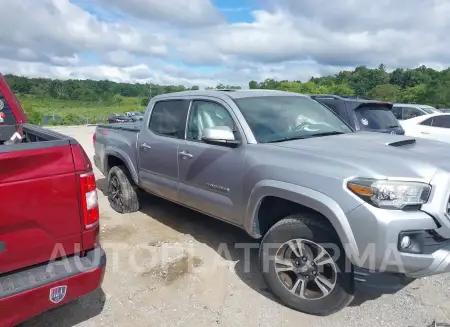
305,198
115,156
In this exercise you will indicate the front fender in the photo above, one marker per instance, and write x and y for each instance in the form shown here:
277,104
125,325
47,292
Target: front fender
306,197
111,151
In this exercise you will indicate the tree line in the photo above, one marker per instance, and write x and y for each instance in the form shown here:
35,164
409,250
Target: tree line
419,85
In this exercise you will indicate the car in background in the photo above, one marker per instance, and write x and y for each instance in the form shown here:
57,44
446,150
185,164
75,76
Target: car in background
446,110
432,126
362,114
119,118
135,115
403,111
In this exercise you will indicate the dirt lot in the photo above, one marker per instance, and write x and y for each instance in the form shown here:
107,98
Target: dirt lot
169,266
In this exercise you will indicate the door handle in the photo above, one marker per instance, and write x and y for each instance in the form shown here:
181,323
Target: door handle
145,146
186,155
424,132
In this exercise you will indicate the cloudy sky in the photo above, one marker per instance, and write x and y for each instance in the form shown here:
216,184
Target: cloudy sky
206,42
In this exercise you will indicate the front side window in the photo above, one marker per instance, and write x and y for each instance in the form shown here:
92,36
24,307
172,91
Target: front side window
168,118
278,118
207,114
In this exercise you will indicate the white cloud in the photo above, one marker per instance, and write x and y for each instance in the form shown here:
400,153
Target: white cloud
141,40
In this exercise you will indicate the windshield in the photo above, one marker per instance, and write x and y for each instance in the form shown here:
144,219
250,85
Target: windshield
429,110
373,118
274,118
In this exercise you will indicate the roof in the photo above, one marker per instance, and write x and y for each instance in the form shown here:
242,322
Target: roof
234,94
413,104
348,99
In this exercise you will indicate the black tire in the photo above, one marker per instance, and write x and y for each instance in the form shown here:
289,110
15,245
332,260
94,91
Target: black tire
127,199
308,227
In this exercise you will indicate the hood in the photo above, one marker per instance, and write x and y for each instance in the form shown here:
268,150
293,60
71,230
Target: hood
369,154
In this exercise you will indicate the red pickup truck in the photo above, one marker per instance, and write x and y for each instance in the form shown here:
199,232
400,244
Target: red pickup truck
49,218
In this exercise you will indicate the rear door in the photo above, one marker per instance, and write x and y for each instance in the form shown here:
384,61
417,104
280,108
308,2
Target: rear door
376,117
158,144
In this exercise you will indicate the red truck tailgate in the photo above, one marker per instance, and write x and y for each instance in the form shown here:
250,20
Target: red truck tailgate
40,212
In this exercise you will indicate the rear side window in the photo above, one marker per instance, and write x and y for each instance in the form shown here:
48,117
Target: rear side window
6,115
427,122
168,118
441,121
410,112
375,117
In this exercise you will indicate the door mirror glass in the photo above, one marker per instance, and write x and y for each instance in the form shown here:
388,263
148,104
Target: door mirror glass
219,135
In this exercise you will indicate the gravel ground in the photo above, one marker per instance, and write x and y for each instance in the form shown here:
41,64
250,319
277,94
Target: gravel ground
169,266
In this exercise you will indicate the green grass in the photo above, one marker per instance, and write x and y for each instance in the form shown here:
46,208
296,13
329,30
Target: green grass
84,109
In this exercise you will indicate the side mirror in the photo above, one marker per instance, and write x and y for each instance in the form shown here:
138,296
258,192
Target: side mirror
220,135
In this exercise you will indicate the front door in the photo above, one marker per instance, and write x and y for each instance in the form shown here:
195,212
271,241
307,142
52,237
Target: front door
158,148
211,175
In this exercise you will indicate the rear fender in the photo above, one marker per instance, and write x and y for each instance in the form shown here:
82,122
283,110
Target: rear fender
125,158
306,197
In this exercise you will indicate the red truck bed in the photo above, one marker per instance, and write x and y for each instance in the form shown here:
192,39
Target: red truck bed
49,222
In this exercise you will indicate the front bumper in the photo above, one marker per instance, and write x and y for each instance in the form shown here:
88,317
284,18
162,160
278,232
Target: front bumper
377,233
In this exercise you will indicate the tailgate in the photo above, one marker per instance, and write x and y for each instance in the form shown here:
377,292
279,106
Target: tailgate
40,213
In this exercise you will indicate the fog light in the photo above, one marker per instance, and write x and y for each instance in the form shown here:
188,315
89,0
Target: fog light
405,242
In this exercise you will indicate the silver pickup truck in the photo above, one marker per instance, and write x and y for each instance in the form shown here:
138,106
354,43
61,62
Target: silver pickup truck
335,209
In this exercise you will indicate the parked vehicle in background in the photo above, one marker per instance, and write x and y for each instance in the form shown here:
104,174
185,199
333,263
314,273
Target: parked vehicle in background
362,114
446,110
404,111
432,126
118,118
135,115
49,229
327,202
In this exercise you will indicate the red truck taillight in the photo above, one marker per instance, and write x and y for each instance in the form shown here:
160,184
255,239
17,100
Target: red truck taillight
89,200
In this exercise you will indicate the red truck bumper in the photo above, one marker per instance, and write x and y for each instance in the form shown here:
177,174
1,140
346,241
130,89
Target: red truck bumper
22,306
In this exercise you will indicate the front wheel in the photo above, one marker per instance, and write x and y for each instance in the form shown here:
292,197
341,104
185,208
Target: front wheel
304,264
122,194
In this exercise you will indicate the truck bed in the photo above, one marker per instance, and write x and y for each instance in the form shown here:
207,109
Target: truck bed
135,126
40,195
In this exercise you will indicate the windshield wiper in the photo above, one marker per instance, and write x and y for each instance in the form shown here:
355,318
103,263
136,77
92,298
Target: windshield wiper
326,134
305,136
287,139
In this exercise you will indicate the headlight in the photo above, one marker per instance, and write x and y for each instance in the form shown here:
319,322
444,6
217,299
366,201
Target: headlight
390,194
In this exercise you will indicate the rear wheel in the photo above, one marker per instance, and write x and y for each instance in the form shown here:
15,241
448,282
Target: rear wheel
304,264
122,193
